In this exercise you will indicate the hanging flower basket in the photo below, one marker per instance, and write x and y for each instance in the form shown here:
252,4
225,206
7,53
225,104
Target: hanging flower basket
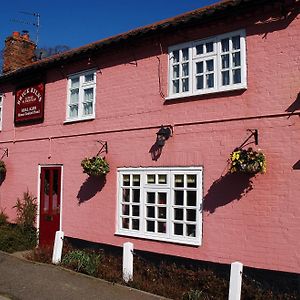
247,161
2,169
95,166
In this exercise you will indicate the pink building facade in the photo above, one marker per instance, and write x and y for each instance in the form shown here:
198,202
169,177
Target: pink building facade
209,76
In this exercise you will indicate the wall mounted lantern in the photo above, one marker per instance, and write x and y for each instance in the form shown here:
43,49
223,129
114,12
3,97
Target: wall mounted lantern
163,134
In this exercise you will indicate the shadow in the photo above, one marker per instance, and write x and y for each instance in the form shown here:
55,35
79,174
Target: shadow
296,166
295,105
230,187
91,186
155,151
2,177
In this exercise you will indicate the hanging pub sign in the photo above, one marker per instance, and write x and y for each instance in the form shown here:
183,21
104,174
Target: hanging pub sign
29,103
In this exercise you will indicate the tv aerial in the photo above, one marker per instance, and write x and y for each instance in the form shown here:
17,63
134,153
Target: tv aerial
35,23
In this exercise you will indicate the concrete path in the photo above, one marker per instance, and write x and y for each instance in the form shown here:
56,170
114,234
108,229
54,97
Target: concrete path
23,280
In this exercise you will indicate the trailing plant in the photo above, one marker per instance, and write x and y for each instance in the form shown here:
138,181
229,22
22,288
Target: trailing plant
2,169
247,161
95,166
3,218
26,211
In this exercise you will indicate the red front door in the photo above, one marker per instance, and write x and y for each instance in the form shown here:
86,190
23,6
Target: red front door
49,204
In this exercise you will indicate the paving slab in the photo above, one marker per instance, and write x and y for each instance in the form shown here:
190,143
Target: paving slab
25,280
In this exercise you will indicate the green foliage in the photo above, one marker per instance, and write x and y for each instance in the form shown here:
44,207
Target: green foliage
82,261
2,167
95,166
3,218
247,161
13,238
26,211
194,295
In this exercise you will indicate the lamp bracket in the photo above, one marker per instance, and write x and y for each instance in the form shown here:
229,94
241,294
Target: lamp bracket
254,134
104,147
5,152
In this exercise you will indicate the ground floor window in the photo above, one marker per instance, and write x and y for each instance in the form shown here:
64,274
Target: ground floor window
161,204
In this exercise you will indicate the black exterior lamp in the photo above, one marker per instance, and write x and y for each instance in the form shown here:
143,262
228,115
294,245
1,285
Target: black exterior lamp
162,135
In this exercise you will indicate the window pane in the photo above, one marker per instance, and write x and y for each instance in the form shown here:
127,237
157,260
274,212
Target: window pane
88,108
191,230
136,195
199,67
126,180
175,86
75,82
150,211
136,224
185,69
162,212
73,111
191,198
162,226
185,54
236,59
225,78
225,45
178,197
89,78
191,215
191,181
89,94
225,61
237,76
199,49
178,229
125,210
185,84
209,65
162,198
135,210
175,71
74,96
150,226
178,214
136,180
150,197
179,180
209,47
126,194
125,223
162,179
151,178
236,42
200,82
175,56
210,80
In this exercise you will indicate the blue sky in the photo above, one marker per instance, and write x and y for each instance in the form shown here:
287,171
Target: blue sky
76,23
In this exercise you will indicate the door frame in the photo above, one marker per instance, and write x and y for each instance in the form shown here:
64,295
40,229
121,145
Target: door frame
40,166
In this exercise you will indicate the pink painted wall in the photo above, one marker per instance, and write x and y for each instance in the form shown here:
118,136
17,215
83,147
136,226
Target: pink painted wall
261,229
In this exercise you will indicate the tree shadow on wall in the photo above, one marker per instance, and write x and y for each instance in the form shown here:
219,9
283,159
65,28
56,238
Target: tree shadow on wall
230,187
91,186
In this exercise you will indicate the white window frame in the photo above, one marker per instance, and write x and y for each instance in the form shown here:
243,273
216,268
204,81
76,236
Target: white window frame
167,188
1,110
214,55
82,86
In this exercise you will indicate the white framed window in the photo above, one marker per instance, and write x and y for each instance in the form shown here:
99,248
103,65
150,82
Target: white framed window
210,65
1,110
81,96
161,204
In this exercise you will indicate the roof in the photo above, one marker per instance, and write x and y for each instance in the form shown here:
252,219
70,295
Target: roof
196,16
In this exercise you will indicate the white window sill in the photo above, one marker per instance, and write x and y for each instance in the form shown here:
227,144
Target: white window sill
184,240
79,120
207,92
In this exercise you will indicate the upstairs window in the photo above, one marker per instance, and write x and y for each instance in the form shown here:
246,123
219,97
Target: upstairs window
1,109
161,204
81,96
211,65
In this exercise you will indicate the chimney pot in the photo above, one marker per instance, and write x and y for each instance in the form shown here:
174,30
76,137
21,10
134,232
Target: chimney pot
16,34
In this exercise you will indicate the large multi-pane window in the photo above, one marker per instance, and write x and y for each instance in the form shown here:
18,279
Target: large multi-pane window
211,65
161,204
81,96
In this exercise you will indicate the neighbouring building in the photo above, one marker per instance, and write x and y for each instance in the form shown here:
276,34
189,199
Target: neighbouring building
217,78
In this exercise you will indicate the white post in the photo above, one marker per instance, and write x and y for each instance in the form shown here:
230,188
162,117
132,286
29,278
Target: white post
58,245
127,261
235,286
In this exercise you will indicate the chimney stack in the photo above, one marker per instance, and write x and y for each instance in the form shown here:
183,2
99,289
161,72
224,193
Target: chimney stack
18,52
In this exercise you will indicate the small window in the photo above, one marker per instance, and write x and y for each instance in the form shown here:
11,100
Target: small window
81,96
1,110
161,204
206,66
